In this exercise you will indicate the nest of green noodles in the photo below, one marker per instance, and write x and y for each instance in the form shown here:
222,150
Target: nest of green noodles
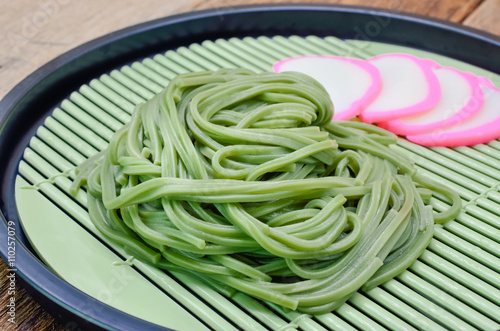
242,180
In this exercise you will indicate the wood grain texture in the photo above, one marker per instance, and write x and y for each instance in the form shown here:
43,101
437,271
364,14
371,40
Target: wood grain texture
486,17
451,10
28,314
34,32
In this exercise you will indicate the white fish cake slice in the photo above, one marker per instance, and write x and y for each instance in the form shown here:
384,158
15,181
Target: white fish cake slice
351,83
481,128
461,98
409,87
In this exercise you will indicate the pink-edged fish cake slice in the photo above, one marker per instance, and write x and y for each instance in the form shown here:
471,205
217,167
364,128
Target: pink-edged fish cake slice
461,98
351,83
480,128
409,87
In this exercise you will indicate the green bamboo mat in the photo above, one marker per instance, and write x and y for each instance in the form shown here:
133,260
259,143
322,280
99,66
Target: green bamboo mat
454,285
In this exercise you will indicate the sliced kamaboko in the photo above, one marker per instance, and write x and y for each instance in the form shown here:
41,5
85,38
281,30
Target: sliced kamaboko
351,83
481,128
409,87
461,98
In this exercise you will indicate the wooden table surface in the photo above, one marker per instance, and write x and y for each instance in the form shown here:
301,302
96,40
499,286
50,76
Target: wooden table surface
34,32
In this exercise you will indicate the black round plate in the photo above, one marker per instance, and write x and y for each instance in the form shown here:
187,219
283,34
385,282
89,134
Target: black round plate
26,106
